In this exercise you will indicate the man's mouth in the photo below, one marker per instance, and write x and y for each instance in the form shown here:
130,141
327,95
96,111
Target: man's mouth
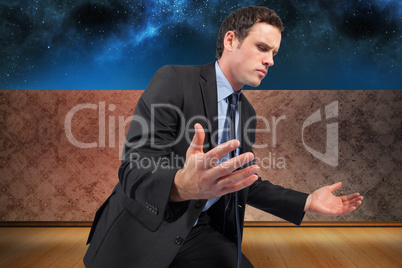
262,72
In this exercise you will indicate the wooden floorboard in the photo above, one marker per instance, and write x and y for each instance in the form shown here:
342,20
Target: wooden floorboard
264,246
324,247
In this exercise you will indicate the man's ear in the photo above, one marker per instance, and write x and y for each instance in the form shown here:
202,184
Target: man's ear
229,40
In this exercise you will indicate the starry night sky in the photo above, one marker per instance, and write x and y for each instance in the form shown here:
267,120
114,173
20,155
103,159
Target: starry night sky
327,44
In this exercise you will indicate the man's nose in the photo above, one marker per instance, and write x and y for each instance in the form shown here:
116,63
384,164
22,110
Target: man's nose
268,60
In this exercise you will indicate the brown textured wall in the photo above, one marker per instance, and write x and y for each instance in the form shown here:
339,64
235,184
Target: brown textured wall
45,177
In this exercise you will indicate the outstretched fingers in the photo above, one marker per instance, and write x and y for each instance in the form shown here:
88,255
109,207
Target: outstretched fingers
335,186
197,142
352,198
351,202
238,176
205,178
228,179
213,155
227,167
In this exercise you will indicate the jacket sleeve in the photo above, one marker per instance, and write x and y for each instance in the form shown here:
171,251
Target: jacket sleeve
148,163
284,203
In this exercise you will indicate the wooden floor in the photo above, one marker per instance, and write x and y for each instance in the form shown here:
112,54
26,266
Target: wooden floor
324,247
265,247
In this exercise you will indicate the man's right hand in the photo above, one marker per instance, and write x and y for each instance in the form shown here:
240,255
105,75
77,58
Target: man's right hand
202,178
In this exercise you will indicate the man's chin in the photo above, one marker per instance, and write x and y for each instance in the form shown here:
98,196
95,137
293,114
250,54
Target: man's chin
254,83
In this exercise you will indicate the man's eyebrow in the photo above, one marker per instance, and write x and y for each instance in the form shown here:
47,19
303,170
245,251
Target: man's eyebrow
264,45
268,47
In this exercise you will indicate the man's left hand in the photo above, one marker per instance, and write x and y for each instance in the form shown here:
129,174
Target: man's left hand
322,201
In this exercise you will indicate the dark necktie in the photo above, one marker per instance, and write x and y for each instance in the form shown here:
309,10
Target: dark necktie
229,134
229,128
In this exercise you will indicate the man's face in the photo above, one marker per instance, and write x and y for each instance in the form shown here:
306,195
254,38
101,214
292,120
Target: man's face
250,59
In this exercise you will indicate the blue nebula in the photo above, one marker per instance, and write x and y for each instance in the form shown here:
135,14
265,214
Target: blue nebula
79,45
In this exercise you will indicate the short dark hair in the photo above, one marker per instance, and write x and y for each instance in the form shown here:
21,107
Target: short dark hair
241,20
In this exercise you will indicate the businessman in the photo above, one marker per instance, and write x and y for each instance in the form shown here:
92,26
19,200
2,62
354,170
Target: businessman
188,169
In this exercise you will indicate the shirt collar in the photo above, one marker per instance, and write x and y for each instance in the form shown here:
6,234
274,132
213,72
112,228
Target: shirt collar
223,85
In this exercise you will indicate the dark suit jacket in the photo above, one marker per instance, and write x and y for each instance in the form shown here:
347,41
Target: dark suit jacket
137,226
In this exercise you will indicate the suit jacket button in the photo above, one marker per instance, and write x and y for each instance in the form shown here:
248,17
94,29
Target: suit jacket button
178,240
200,204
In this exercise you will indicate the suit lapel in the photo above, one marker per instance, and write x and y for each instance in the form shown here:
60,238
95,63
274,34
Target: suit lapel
209,94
